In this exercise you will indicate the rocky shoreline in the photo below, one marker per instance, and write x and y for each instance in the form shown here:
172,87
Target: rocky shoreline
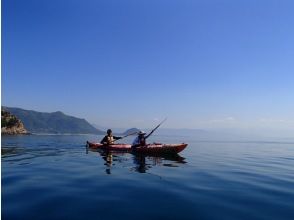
11,125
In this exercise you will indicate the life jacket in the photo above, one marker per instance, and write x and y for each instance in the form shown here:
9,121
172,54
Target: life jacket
142,141
110,139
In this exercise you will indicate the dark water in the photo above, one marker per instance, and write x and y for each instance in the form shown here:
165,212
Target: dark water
55,177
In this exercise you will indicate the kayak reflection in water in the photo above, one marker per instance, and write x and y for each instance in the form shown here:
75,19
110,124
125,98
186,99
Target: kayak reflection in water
140,162
140,140
107,156
143,163
109,138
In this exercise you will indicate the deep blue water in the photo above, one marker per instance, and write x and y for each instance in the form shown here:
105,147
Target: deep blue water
56,177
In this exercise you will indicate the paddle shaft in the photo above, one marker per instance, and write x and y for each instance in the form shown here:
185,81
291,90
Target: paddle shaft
155,128
126,136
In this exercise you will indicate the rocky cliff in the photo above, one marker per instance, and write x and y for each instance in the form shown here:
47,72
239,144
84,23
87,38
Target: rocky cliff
11,125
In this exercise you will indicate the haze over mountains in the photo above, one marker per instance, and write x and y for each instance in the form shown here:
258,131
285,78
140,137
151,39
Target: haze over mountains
60,123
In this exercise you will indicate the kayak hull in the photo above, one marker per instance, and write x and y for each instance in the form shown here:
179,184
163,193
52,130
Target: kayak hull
112,147
150,149
159,149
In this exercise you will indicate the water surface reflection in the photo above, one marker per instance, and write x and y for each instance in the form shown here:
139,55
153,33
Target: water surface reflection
140,163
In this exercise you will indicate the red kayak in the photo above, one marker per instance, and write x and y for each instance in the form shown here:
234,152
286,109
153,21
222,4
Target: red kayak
154,149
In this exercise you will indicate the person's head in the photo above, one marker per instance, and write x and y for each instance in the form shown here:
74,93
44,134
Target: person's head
141,133
109,131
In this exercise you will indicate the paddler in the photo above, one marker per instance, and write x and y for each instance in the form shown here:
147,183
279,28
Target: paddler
140,140
109,138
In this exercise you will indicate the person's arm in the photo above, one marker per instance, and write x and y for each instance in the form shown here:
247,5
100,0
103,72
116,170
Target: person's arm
104,140
116,137
136,142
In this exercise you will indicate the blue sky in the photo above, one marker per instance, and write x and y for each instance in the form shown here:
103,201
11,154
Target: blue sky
203,64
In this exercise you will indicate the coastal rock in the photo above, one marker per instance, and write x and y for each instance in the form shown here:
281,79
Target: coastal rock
11,125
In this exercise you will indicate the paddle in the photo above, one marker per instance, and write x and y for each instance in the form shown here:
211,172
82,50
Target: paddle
155,128
126,136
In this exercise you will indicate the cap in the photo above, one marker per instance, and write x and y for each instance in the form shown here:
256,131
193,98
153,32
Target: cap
142,133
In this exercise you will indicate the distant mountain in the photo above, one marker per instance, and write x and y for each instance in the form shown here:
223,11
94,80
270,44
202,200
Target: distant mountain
131,131
53,123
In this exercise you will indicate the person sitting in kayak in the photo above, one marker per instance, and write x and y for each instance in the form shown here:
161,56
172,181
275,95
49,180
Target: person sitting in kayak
140,140
109,138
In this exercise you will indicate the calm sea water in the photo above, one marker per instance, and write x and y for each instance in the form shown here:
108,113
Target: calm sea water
56,177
